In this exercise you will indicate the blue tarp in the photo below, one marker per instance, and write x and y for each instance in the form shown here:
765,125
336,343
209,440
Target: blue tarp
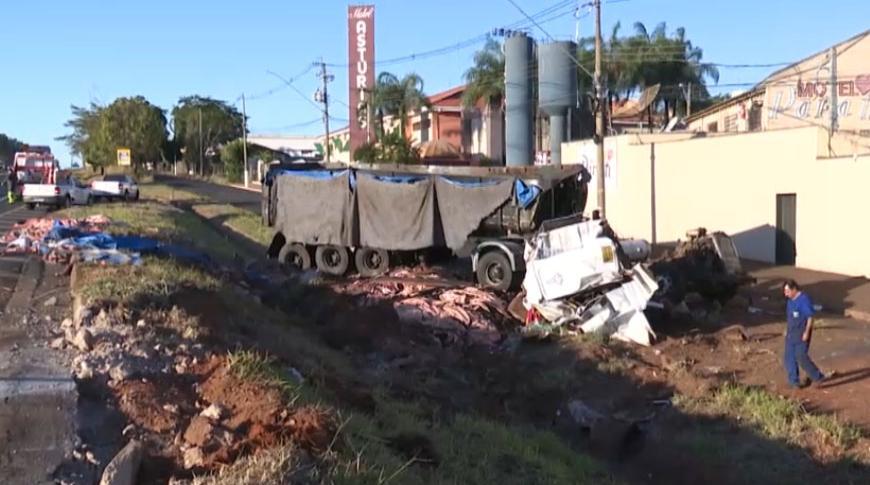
470,183
315,174
99,246
526,193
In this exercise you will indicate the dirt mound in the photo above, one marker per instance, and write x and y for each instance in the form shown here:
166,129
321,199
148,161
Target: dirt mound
157,405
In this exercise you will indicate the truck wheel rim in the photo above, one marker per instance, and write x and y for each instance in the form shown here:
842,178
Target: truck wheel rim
295,259
332,257
495,273
373,260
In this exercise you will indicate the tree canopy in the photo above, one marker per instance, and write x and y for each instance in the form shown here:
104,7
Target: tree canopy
485,79
221,123
8,147
398,97
98,131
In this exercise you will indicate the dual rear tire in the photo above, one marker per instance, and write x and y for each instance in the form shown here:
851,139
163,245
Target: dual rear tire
335,260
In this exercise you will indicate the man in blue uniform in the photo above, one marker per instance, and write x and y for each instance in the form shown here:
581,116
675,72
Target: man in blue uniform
799,332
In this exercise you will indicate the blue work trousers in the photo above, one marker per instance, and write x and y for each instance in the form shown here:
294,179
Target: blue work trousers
798,353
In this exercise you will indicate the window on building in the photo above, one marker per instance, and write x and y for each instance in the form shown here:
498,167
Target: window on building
755,117
713,127
731,123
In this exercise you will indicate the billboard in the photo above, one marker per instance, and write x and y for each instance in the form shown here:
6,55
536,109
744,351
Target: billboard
361,61
123,156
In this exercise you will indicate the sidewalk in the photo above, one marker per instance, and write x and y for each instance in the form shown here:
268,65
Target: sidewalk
845,295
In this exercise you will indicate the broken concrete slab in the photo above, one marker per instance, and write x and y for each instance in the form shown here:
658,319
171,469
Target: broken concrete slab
82,340
124,467
199,432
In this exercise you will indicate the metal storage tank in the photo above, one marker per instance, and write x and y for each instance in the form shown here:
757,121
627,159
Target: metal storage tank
557,90
519,124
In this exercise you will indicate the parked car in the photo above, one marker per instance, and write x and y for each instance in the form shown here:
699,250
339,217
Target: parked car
118,186
64,193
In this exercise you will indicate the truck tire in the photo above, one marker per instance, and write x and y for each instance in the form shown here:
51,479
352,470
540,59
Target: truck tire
332,260
295,255
371,262
494,271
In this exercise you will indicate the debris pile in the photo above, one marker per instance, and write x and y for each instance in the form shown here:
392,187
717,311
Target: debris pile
180,396
62,240
575,277
457,315
33,235
700,276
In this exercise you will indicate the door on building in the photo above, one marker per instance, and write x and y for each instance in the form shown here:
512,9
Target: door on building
786,228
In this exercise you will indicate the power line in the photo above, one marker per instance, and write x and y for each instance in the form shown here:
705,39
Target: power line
572,56
270,92
553,12
294,88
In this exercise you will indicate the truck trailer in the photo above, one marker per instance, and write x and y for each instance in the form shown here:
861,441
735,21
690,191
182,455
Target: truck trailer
334,217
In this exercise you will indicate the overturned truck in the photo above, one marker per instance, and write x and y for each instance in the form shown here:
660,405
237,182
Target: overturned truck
328,216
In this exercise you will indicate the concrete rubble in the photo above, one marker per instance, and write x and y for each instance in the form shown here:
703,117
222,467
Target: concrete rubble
124,466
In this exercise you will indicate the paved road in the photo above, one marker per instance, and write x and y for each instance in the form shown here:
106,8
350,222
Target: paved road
37,396
241,198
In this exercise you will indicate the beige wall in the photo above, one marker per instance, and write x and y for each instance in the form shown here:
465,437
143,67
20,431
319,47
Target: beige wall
730,183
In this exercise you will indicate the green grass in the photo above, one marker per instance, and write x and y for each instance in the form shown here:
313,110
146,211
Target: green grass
773,416
160,221
168,194
154,278
237,220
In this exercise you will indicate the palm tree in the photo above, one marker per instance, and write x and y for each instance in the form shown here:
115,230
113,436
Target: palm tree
398,97
485,79
669,61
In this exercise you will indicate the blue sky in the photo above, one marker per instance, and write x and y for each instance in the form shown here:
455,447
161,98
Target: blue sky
60,52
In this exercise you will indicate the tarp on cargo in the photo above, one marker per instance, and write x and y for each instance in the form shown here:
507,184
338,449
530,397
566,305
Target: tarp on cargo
396,216
463,206
315,210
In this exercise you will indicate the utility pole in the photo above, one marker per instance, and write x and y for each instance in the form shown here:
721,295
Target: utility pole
834,102
599,118
689,102
201,168
245,143
322,96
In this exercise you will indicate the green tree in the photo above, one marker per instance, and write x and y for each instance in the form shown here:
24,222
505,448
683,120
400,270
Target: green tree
8,147
221,123
136,124
392,147
82,141
485,79
398,97
98,131
233,158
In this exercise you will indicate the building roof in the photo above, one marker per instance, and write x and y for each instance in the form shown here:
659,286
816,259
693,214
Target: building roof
725,104
437,97
851,41
759,88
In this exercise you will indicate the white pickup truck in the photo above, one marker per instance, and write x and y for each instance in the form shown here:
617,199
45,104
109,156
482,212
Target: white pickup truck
64,193
117,186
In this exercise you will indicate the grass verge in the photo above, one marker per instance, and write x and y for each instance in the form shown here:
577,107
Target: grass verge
237,220
774,416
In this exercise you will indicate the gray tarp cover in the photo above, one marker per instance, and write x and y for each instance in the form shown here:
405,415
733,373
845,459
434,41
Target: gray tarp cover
395,215
314,210
463,207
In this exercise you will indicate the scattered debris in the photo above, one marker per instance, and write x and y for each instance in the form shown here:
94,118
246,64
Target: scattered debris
214,412
82,340
50,302
124,466
574,277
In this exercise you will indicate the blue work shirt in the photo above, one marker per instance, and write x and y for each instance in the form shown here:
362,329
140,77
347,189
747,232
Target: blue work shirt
798,311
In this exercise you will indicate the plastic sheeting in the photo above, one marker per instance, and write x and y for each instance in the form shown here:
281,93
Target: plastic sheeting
396,216
462,207
315,210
